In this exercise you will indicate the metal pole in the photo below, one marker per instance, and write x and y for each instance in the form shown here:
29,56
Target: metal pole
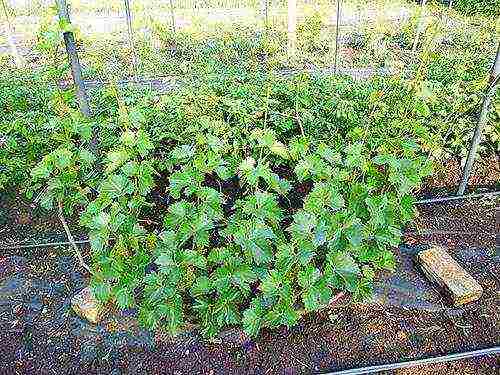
264,13
450,5
419,26
131,35
292,27
336,38
483,118
172,15
10,37
76,69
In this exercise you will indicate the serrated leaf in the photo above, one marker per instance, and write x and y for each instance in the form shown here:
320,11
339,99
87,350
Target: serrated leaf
201,286
124,298
280,149
194,258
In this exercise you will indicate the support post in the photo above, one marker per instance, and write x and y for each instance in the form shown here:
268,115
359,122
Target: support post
419,25
483,119
292,28
337,23
18,60
264,13
76,69
172,15
130,31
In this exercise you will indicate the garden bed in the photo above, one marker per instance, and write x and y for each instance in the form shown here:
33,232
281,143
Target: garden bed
41,334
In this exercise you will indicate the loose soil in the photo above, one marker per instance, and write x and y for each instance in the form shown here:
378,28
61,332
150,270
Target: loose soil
41,335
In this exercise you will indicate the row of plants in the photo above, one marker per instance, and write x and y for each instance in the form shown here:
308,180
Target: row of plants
230,203
242,200
372,43
243,197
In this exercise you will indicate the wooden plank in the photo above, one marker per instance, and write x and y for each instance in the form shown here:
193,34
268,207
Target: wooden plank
443,270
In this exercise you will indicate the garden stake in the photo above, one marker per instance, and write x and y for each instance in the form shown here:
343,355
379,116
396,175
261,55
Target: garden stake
336,38
76,69
71,239
419,26
131,36
264,13
483,118
292,27
172,15
10,37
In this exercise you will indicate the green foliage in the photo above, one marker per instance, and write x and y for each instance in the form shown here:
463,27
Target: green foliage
236,246
309,32
490,8
241,198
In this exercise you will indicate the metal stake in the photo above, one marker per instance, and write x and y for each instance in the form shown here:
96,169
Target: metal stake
336,38
483,118
76,69
131,36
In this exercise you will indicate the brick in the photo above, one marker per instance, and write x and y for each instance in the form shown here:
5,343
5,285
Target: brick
444,271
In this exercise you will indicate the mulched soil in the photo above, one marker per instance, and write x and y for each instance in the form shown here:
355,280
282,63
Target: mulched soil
444,181
41,335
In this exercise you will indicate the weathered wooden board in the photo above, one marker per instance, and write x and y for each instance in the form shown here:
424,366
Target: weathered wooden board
443,270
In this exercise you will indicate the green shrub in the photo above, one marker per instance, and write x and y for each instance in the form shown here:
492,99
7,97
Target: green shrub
490,8
270,196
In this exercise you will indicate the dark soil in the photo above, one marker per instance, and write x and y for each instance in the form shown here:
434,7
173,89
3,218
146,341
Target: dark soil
444,182
41,335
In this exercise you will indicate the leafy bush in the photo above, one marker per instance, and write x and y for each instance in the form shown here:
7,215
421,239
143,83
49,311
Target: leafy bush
24,112
490,8
270,195
242,198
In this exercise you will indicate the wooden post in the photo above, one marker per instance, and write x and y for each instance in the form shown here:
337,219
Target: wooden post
18,60
336,38
76,69
172,15
292,27
483,119
131,36
419,25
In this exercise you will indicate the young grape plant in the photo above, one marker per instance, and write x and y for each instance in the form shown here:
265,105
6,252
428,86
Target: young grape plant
225,206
